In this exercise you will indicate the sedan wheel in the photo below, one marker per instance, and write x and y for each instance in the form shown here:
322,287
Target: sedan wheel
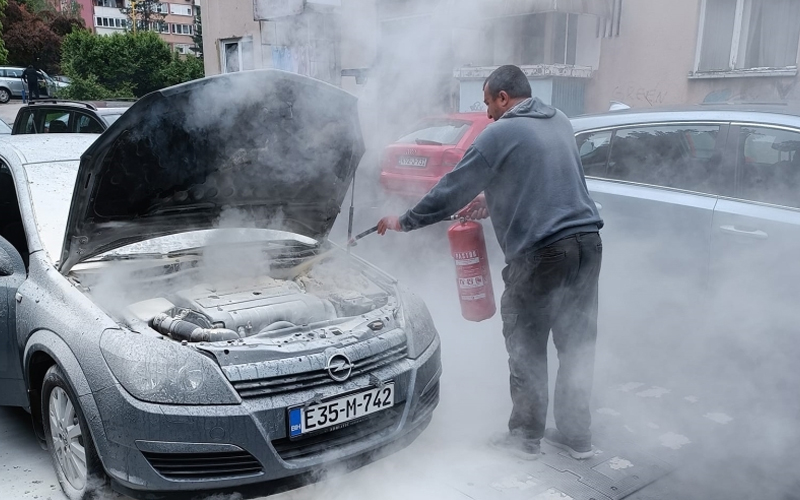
67,436
69,442
5,96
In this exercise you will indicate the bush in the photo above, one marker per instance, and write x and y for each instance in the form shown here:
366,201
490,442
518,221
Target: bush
123,64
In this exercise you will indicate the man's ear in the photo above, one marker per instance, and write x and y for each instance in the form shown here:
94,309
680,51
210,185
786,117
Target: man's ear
504,98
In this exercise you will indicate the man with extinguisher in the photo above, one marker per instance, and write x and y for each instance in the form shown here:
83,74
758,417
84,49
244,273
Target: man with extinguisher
528,167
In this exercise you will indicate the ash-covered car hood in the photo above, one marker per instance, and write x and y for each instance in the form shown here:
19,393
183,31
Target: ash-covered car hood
266,148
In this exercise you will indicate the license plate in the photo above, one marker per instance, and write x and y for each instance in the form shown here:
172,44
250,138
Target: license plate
412,161
319,416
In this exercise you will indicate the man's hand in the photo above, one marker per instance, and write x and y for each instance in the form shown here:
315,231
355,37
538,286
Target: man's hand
389,223
476,209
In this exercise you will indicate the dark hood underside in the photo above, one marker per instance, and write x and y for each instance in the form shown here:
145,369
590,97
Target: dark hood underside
265,149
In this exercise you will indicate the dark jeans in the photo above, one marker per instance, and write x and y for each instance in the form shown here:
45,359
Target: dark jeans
33,90
554,288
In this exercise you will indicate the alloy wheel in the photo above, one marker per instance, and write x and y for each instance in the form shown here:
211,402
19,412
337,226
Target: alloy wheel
67,437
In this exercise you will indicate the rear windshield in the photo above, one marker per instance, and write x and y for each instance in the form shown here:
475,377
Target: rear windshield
436,131
109,119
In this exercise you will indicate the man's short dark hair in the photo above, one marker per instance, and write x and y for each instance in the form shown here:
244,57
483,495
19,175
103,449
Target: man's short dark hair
508,78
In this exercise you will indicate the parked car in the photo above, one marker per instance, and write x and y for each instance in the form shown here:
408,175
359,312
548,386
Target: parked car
701,204
57,116
174,317
11,84
415,162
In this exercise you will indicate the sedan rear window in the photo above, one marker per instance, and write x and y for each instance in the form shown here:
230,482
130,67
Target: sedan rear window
436,132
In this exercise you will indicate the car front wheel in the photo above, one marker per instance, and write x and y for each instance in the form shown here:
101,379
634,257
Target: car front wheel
74,457
5,96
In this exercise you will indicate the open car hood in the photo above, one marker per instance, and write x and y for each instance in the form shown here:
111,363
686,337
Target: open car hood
265,149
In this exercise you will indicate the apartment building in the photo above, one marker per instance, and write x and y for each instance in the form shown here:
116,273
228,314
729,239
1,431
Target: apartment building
177,27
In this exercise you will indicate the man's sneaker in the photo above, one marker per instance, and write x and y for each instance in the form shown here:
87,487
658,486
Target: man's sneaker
555,438
519,446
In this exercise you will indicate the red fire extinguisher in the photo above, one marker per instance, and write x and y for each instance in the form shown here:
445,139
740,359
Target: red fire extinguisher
468,247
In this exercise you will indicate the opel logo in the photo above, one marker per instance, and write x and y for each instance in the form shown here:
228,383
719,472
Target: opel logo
339,367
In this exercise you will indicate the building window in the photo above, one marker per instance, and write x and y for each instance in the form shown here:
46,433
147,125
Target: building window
182,29
106,3
98,21
231,57
746,34
180,10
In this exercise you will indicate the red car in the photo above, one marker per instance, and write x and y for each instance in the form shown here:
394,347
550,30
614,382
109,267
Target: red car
415,162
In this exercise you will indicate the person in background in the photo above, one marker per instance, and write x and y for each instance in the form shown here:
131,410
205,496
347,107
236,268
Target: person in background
31,77
528,167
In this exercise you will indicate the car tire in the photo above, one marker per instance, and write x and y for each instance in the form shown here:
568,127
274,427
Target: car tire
67,437
5,95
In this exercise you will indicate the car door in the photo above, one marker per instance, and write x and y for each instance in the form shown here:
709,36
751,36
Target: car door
656,186
14,79
756,232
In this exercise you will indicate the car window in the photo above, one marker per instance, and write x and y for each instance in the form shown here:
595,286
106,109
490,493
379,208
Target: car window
594,147
439,131
676,156
56,122
769,165
27,122
111,118
15,73
85,124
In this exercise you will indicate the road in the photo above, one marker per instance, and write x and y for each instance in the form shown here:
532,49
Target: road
645,421
9,110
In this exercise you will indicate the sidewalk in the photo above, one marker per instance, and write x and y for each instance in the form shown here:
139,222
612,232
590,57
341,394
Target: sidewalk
9,110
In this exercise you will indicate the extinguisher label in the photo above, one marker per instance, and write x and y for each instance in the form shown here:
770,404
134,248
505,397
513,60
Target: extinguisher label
480,296
473,282
468,262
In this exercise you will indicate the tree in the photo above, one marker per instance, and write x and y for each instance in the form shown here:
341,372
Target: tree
197,38
144,15
36,38
3,51
122,65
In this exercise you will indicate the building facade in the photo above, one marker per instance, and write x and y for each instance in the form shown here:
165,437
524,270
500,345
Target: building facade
669,52
177,29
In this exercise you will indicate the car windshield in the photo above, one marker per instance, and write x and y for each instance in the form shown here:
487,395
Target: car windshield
4,128
436,131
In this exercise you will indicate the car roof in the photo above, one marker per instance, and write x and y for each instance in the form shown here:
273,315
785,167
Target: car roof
46,148
774,113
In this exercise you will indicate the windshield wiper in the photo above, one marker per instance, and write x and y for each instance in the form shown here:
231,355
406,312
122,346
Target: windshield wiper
426,142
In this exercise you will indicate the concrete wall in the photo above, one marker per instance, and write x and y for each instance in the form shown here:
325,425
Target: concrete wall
225,19
650,62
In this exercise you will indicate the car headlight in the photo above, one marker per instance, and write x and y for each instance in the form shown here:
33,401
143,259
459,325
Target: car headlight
417,323
162,371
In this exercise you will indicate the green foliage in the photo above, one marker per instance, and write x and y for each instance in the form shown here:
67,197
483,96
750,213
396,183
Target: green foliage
144,14
3,50
35,37
123,65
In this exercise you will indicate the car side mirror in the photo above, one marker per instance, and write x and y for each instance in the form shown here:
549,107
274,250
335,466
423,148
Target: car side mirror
10,260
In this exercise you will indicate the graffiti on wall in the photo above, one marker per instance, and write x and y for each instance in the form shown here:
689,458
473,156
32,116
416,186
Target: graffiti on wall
773,91
632,95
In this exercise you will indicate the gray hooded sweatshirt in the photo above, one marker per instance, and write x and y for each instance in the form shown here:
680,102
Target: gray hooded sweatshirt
527,164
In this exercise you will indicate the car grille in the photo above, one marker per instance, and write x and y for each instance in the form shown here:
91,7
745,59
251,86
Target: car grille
203,465
373,426
426,402
287,383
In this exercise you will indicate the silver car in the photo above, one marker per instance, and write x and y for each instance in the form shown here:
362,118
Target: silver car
11,84
702,208
173,315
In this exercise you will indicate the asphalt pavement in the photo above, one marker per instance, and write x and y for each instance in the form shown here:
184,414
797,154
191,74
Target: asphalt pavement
9,110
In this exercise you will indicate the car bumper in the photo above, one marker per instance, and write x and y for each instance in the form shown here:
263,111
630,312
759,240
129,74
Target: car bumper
157,450
407,185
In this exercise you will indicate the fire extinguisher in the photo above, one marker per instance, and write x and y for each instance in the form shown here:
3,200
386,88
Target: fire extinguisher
468,247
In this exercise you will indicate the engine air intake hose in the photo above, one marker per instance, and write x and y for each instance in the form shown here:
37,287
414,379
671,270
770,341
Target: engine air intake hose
180,329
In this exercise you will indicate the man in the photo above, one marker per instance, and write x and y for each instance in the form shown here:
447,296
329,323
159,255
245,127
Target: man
31,77
527,164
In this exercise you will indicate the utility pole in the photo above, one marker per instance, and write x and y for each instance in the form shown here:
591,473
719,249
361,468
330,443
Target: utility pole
133,15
